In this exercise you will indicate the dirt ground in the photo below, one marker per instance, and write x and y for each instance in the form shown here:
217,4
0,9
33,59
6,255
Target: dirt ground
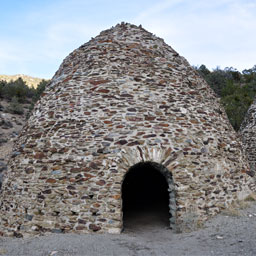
232,233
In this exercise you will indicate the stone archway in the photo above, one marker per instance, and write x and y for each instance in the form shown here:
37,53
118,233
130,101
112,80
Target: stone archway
148,196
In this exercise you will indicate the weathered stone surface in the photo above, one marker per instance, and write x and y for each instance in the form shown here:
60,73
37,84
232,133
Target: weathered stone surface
123,98
94,227
248,134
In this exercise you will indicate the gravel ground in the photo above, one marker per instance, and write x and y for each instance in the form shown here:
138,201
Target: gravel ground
222,235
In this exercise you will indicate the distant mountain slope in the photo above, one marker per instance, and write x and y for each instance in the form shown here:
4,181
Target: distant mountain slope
30,81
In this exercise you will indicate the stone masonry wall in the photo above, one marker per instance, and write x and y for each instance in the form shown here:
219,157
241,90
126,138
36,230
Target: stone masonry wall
248,132
122,98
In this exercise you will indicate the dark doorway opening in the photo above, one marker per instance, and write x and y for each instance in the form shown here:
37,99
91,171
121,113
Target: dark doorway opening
145,197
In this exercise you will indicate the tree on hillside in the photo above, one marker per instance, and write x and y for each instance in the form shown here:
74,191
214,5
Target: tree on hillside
40,88
249,75
17,93
236,90
2,85
17,89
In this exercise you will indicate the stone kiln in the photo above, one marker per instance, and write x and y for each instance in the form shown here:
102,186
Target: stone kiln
123,103
248,134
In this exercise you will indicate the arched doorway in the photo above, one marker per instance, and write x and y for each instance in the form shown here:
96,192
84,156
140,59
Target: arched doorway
148,197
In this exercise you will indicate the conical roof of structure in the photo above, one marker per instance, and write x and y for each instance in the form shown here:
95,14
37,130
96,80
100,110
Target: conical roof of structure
122,99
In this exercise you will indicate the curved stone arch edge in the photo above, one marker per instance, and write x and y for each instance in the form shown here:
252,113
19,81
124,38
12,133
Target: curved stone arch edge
164,159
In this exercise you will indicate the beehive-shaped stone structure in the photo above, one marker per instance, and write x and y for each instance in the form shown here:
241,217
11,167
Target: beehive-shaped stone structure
248,134
121,108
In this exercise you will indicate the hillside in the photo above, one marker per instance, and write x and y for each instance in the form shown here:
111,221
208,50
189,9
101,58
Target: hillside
16,102
237,90
29,80
10,126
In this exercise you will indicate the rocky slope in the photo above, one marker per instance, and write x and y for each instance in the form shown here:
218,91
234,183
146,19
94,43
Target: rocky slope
10,126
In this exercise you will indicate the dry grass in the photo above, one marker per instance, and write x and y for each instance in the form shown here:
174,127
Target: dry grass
251,197
234,208
190,222
2,251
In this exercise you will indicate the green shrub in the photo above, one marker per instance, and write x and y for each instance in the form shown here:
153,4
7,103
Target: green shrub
17,92
236,90
15,107
2,85
39,90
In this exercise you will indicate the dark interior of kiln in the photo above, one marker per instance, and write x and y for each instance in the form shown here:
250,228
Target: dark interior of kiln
145,198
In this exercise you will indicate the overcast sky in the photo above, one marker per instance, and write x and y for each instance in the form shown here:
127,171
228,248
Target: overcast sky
36,35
